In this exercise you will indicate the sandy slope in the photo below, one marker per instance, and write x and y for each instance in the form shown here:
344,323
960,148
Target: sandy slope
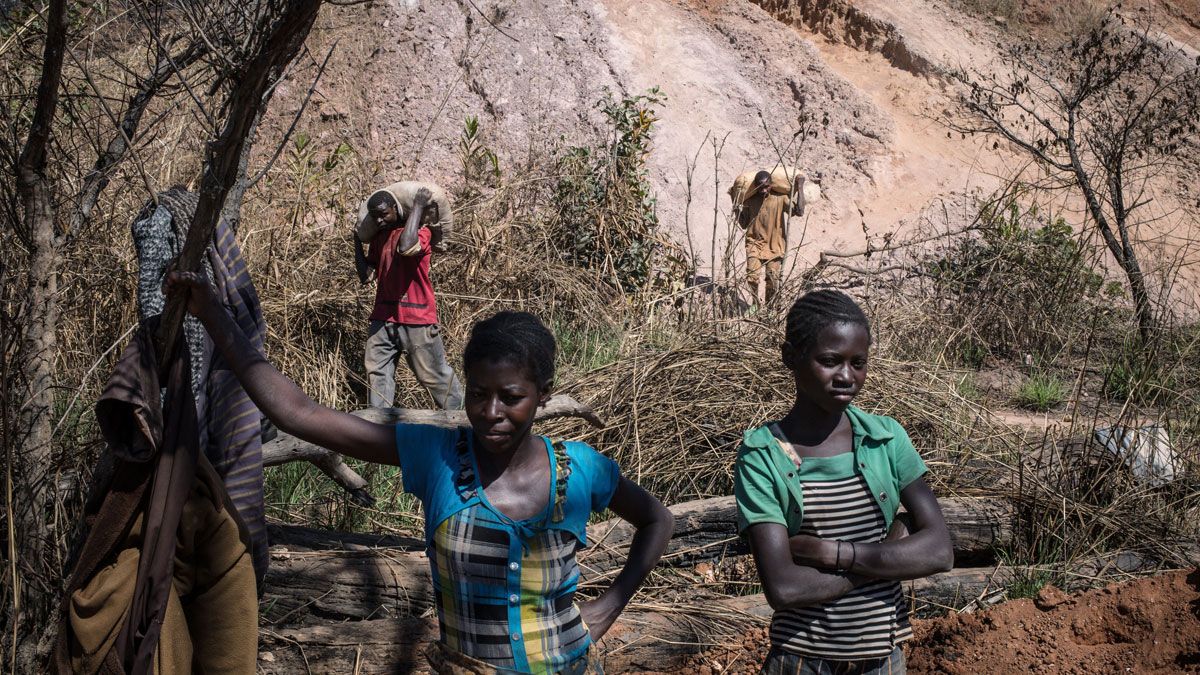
406,73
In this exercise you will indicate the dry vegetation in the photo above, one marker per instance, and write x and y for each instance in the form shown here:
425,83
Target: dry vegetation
677,372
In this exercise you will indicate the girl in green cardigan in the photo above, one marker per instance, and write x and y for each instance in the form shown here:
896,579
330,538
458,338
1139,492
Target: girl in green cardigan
817,495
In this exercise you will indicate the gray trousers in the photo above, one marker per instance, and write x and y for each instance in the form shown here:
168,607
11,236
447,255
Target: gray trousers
426,356
780,662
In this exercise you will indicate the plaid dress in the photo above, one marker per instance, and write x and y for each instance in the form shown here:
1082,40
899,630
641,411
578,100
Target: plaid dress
505,589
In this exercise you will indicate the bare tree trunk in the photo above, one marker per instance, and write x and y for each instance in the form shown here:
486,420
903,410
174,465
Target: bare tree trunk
1122,249
224,160
33,530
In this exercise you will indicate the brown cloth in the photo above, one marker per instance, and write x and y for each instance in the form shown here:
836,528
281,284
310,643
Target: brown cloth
164,582
763,217
445,661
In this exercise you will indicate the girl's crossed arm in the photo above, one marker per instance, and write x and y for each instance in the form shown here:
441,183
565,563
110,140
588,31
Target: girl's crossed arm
926,551
275,395
790,583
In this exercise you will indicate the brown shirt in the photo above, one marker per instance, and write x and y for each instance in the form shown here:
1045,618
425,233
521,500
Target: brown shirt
763,218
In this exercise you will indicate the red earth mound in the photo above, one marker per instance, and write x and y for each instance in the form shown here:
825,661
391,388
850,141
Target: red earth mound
1150,625
1146,626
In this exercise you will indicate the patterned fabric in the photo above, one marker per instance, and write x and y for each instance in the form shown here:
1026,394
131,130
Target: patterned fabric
158,238
234,423
445,661
231,425
505,589
433,469
784,663
869,621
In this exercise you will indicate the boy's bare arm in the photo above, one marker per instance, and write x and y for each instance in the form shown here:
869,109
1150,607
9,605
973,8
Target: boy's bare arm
275,395
412,224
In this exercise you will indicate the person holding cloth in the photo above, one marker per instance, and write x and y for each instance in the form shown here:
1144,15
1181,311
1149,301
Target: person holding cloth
404,224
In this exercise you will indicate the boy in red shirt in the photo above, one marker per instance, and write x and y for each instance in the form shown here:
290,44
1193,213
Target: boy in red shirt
405,316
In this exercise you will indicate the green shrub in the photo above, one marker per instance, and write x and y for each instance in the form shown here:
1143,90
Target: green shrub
607,217
971,352
1024,285
1027,585
1041,392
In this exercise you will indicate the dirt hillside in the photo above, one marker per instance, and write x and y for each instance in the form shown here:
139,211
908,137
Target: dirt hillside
405,74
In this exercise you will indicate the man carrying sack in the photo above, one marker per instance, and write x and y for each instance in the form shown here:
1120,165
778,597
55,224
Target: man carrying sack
762,211
403,224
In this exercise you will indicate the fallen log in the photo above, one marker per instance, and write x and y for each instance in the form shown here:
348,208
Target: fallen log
316,574
648,637
707,528
287,448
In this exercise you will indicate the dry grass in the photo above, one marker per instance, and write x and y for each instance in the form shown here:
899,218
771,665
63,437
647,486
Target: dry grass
676,388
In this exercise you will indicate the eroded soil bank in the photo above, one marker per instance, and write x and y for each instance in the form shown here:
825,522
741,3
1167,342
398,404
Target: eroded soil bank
1149,625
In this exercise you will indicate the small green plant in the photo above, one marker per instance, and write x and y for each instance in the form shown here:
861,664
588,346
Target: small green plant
585,349
971,353
1027,585
480,165
1041,393
607,218
1137,378
966,387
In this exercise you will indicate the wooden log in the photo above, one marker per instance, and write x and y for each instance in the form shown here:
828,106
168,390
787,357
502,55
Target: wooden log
706,529
333,575
287,448
978,526
648,637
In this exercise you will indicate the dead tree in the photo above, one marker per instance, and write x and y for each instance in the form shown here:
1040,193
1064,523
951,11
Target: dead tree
63,144
1101,114
27,535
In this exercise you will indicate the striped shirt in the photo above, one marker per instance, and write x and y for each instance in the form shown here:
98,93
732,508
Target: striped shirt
869,621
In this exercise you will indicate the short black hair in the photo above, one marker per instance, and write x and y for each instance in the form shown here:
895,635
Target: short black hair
516,337
761,178
380,199
814,311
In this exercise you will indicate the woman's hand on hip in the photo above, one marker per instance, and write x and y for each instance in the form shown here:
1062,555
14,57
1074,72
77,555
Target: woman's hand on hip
599,615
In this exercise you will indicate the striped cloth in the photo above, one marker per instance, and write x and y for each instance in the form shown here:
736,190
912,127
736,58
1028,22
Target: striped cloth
869,621
231,425
234,423
505,589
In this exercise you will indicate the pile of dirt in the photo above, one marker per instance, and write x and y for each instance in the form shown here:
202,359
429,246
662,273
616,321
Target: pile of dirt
1150,625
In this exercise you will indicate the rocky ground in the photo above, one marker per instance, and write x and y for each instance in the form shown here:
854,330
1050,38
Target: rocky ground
405,74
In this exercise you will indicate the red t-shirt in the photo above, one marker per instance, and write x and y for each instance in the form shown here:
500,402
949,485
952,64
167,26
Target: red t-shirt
403,291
